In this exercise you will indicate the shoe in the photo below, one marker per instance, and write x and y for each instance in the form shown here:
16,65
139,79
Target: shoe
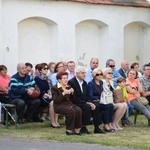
109,130
21,121
119,128
55,126
99,131
126,122
84,130
78,133
70,133
37,120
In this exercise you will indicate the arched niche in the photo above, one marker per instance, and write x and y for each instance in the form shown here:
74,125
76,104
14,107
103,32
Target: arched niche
136,42
37,39
91,36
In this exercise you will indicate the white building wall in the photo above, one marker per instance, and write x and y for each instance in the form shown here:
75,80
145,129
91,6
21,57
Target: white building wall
1,31
66,15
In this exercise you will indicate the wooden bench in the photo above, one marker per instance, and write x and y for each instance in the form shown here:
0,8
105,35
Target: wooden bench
14,118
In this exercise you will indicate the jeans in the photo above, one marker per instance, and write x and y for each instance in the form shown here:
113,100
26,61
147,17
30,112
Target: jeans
145,110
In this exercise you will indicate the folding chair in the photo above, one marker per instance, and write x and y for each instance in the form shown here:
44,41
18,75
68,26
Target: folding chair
14,118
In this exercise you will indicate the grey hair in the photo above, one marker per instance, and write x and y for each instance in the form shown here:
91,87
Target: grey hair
79,69
19,66
108,61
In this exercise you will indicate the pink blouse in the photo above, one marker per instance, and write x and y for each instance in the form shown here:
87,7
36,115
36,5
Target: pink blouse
4,81
133,84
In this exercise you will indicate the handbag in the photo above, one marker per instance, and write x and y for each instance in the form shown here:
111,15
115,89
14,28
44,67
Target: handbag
35,94
118,96
106,96
142,100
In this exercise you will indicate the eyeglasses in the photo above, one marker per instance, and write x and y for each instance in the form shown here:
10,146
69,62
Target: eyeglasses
109,73
99,74
45,68
111,66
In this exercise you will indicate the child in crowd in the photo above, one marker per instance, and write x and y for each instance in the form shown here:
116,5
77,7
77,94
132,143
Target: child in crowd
122,86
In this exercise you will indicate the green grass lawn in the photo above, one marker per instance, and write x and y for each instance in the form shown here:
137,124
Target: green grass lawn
133,137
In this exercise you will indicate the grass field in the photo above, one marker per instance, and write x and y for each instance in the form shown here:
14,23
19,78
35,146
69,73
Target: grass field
136,136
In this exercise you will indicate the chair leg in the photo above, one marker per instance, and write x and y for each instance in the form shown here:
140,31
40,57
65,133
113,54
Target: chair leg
15,118
148,122
135,118
6,123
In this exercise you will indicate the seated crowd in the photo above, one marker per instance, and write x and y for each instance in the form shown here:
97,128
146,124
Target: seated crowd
83,95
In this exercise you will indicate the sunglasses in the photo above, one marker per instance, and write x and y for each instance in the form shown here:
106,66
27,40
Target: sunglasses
109,73
111,66
99,74
45,68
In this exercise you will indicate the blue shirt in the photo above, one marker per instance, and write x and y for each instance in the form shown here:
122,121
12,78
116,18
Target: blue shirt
88,77
53,79
115,76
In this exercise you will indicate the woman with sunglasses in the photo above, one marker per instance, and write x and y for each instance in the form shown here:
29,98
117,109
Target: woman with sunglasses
45,85
95,88
134,89
119,108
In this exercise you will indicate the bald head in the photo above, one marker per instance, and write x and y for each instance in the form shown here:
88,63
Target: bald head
125,65
94,63
21,69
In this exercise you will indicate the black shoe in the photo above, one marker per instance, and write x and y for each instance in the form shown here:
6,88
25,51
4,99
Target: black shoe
84,130
37,120
99,131
55,126
109,130
78,133
126,122
70,133
21,121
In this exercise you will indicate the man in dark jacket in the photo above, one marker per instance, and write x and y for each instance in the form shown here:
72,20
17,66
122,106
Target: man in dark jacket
124,68
81,99
21,86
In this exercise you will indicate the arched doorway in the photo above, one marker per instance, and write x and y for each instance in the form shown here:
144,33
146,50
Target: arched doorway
136,42
90,40
37,39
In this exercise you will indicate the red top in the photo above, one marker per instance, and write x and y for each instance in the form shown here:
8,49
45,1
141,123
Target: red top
4,81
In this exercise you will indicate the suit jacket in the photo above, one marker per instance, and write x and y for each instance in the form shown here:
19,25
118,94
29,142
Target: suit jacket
94,91
80,97
58,98
122,73
62,102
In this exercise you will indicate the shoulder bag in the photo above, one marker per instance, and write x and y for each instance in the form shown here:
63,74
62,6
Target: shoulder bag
106,95
142,100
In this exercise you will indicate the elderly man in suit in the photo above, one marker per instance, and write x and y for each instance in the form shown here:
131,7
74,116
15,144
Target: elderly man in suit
124,68
81,99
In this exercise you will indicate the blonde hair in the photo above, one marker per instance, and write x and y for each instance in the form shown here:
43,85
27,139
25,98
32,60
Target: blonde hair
95,71
106,70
